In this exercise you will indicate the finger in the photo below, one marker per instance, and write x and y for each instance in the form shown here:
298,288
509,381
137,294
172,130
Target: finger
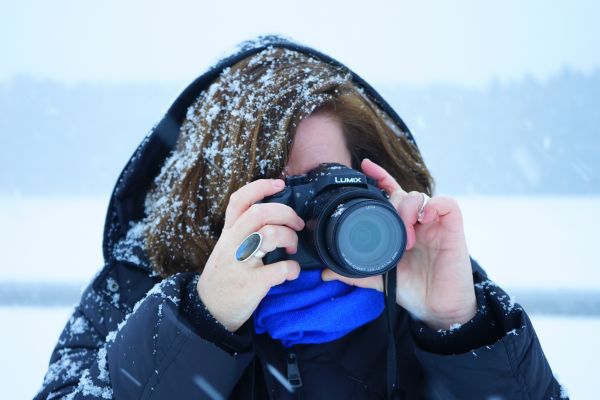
396,197
384,180
277,273
408,209
244,197
370,282
441,206
276,236
261,214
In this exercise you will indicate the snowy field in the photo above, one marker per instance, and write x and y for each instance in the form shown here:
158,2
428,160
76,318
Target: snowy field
526,244
522,242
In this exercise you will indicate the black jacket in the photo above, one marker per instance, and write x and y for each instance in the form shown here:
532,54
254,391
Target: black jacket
135,336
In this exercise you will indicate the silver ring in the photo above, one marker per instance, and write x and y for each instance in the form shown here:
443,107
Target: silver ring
249,247
426,199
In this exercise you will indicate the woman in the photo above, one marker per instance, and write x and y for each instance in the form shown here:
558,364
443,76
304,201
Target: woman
176,312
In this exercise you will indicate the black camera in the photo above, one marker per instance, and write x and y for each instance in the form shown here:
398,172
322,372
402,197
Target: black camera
350,225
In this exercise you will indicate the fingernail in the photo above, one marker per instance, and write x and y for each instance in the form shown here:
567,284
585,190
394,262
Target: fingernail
300,223
291,251
279,184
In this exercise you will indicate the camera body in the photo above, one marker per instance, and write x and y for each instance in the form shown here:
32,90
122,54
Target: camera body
350,225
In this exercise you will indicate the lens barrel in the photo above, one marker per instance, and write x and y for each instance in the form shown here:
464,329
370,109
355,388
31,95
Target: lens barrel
365,237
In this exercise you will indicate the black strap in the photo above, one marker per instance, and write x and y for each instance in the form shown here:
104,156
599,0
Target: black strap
390,308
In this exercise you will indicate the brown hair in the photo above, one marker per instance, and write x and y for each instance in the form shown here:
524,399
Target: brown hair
241,129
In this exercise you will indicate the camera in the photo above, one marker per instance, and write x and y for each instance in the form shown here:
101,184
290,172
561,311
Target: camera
350,225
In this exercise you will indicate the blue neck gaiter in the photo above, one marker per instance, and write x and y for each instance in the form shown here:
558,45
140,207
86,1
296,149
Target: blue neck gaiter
308,310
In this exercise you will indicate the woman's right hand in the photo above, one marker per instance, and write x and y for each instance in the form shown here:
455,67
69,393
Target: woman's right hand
231,290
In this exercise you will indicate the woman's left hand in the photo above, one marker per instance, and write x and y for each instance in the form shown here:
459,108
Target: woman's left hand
435,282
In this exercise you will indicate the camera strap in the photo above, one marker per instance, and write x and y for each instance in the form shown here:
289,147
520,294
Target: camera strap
390,308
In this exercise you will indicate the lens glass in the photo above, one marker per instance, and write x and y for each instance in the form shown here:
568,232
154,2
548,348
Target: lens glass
369,237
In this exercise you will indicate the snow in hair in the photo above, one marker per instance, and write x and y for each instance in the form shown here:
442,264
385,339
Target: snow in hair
239,129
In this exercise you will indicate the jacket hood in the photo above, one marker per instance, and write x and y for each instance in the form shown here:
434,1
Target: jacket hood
127,201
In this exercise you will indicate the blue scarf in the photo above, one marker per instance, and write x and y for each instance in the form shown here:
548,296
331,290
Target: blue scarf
308,310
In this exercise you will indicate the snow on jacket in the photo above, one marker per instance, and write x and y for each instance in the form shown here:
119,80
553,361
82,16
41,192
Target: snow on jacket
134,335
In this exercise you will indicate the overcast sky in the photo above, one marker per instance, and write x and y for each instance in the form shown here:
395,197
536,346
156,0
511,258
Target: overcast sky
418,42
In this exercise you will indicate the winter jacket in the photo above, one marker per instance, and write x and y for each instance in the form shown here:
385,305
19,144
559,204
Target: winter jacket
134,335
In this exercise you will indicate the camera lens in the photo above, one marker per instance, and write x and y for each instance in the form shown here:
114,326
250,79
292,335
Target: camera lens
366,237
362,236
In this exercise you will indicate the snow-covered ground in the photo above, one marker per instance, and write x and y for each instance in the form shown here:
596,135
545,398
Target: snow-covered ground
525,244
522,242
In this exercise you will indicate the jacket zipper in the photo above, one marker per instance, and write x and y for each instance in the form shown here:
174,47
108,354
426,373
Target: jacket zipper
293,372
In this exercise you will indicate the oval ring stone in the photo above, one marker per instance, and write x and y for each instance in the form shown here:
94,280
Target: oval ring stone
249,246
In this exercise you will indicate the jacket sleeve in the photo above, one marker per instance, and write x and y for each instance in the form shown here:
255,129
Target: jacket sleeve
158,350
495,355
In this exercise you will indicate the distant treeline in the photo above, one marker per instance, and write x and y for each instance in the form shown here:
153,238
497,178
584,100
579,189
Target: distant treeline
524,137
